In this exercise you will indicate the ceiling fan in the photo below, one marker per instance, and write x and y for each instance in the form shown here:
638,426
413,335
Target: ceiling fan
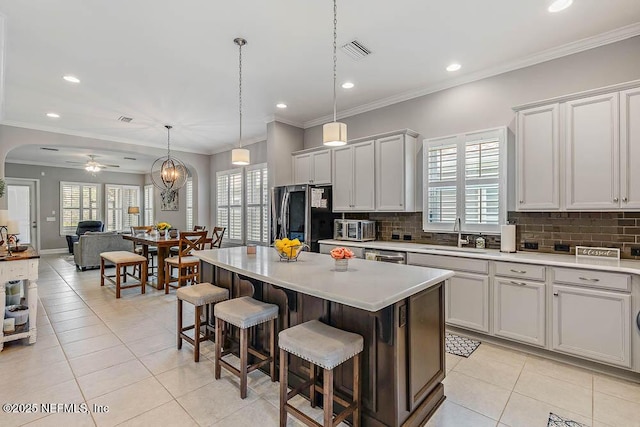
93,166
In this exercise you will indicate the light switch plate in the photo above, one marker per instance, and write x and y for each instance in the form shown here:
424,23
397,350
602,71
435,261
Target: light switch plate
51,219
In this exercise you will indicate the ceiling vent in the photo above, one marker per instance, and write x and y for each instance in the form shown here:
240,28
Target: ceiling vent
130,158
49,149
124,119
356,50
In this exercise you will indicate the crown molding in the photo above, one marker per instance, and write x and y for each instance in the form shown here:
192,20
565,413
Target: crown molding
275,118
95,136
578,46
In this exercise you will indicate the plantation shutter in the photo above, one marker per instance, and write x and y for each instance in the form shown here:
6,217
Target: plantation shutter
148,205
442,174
482,182
78,202
256,204
189,188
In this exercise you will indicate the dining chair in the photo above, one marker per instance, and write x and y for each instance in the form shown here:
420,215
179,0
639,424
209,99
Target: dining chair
138,249
216,237
187,265
173,250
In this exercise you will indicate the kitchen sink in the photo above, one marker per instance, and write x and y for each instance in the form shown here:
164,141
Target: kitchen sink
455,249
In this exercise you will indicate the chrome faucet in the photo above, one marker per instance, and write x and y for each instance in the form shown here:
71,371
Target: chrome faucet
457,226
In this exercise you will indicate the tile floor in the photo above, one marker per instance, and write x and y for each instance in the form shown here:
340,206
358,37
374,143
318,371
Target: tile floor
97,350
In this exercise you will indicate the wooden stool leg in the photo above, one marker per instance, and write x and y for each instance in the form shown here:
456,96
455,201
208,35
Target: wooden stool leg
272,349
328,397
101,271
244,353
167,274
117,281
125,273
283,387
356,390
179,324
312,389
218,348
196,334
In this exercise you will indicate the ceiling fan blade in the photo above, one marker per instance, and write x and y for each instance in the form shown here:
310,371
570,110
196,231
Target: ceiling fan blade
111,166
76,163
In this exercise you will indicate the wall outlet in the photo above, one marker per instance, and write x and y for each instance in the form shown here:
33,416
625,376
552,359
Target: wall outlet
559,247
406,237
635,251
531,245
395,236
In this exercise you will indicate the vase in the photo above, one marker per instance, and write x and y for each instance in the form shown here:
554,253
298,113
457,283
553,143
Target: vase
165,233
342,264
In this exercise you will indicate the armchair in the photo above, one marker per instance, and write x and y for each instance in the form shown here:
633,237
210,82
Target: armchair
83,227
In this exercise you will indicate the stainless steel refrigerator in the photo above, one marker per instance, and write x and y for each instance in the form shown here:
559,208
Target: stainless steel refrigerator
302,212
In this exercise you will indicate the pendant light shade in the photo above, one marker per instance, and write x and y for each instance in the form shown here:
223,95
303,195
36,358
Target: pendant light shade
169,173
334,134
240,156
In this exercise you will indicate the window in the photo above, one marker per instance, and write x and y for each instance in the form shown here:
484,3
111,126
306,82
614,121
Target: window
78,202
148,204
242,204
229,203
189,190
257,198
118,199
465,178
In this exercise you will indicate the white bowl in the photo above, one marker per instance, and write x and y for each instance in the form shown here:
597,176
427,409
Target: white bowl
21,316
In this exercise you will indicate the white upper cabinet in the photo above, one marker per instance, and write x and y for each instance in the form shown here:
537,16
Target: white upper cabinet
354,178
395,173
630,149
312,168
538,153
592,153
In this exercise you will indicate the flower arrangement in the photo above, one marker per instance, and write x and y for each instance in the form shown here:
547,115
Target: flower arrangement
341,253
163,226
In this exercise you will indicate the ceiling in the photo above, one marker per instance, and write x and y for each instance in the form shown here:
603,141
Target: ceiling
168,62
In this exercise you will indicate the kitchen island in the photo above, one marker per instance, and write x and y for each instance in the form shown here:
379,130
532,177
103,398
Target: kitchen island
397,309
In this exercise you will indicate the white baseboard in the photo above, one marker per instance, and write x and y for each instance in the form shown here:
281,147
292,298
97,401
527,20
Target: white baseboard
53,251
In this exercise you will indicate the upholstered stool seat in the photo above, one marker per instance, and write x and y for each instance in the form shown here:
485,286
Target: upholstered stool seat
122,260
326,347
244,313
200,295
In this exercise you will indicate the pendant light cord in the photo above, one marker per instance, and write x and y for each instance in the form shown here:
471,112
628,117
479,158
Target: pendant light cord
335,58
240,94
168,142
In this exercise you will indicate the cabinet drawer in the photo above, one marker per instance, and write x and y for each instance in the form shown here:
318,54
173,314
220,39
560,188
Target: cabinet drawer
449,263
525,271
592,278
14,270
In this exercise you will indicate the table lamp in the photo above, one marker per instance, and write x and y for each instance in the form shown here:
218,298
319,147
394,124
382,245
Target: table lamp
133,210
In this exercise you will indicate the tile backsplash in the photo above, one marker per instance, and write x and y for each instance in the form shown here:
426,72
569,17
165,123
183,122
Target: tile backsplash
605,229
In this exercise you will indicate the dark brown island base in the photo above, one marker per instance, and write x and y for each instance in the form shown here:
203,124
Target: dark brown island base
397,309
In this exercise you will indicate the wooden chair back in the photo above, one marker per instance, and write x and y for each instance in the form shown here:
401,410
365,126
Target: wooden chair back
191,241
199,227
139,229
216,237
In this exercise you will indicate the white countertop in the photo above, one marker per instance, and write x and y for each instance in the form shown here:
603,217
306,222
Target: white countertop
554,260
367,285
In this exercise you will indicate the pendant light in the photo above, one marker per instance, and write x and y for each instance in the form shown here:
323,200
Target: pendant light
169,173
334,134
240,156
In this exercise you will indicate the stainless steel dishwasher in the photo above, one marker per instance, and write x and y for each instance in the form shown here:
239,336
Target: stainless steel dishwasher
386,256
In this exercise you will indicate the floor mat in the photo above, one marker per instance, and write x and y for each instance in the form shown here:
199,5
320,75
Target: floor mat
558,421
460,346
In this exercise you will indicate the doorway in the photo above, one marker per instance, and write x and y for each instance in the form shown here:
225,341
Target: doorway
23,205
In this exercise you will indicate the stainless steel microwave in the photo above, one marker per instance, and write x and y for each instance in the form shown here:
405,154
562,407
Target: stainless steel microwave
358,230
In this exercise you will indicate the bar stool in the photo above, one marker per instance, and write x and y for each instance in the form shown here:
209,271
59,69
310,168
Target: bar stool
123,259
200,295
244,313
326,347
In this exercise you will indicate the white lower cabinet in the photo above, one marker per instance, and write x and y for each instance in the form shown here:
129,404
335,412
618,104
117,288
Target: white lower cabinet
519,310
467,301
593,324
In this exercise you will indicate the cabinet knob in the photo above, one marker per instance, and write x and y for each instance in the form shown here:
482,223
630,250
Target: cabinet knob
624,199
615,199
521,201
555,294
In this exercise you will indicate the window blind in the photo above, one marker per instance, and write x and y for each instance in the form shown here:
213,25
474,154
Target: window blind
442,177
256,204
482,185
229,203
189,208
148,205
118,200
78,202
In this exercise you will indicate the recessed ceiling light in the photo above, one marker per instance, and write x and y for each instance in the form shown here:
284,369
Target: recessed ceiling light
559,5
347,85
281,105
53,115
71,79
454,67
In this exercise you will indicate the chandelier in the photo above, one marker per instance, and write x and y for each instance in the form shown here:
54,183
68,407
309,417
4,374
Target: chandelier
334,134
240,156
169,173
